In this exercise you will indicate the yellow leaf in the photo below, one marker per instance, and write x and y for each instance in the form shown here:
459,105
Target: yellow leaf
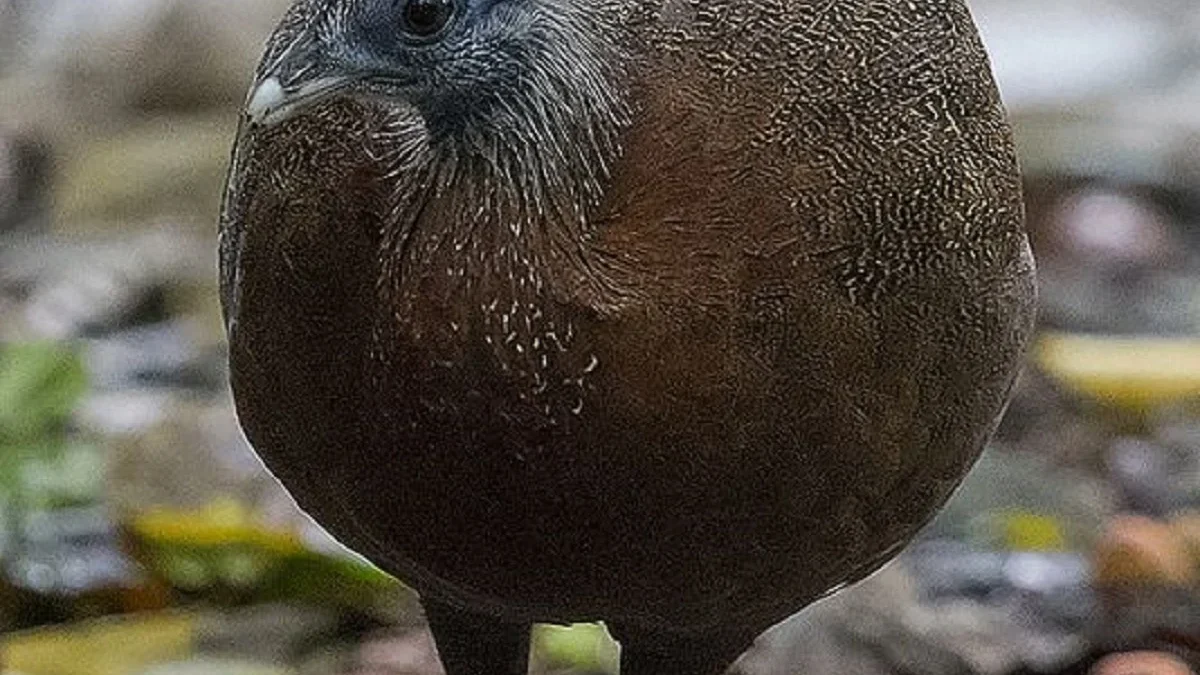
1137,373
1025,531
105,647
222,523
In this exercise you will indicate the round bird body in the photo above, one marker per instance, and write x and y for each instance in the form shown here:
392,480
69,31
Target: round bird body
676,314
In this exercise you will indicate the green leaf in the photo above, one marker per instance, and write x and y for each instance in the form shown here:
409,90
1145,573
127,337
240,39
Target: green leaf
40,385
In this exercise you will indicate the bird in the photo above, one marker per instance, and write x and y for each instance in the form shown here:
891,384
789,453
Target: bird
673,314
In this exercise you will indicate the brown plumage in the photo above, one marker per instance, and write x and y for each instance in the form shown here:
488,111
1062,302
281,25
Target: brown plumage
676,314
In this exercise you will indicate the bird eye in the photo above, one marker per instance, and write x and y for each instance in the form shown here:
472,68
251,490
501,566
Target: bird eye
424,18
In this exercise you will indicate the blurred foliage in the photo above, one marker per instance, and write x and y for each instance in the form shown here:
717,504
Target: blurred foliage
52,500
223,522
41,466
225,554
40,384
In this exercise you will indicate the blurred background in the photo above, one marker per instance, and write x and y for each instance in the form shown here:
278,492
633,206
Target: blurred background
139,536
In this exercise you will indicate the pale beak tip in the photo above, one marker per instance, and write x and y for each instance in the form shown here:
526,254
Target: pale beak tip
266,98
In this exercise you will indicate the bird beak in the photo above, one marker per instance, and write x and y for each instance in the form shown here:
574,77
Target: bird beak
272,101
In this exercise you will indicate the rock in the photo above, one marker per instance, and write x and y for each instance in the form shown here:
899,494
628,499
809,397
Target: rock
24,171
271,633
162,355
1149,475
90,286
1005,483
1141,663
137,98
395,651
1139,550
1109,228
69,553
889,624
1179,430
190,457
1111,259
850,632
1162,617
408,653
98,57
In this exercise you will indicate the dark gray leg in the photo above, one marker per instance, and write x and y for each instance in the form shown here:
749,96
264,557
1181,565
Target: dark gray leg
476,644
664,654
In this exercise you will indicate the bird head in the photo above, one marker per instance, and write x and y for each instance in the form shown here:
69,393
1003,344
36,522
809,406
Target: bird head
506,80
466,133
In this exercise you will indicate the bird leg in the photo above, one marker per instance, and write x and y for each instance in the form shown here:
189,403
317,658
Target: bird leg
469,643
660,654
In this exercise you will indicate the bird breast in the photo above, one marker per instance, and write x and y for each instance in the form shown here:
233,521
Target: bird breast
740,368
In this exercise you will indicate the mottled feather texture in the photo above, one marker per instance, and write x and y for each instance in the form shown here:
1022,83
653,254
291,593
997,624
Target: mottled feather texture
676,314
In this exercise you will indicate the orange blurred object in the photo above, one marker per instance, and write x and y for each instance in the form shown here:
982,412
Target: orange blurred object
1141,663
1140,550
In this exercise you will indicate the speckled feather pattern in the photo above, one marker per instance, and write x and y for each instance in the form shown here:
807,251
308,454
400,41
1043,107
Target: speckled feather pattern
690,312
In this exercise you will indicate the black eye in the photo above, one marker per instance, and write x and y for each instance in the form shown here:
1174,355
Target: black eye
423,18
